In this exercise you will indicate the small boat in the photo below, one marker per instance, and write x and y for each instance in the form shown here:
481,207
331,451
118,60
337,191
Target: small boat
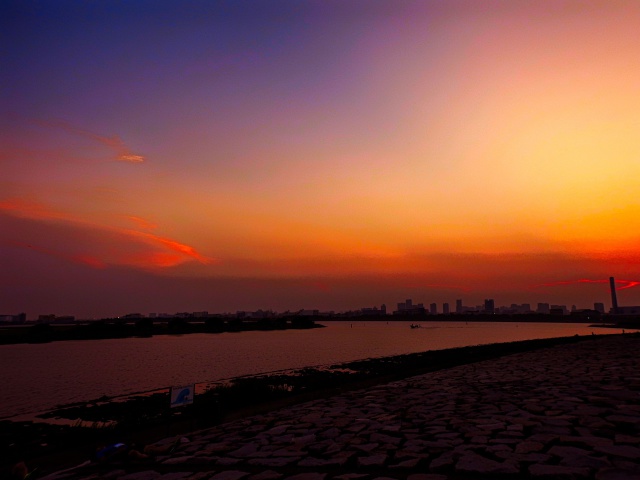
414,325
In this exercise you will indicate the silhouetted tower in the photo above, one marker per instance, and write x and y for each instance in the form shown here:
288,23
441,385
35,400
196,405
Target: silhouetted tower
433,309
458,306
614,296
445,308
489,305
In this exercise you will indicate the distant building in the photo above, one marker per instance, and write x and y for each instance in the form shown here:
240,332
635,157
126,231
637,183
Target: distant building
257,315
373,312
489,306
555,309
433,309
458,306
408,308
628,310
598,307
15,319
445,308
543,308
50,318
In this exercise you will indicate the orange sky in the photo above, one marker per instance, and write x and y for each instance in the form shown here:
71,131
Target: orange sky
488,146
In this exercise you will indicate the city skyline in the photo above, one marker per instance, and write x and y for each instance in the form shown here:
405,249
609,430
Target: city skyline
168,156
455,307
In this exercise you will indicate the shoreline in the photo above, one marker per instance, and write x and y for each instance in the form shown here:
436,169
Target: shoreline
35,442
145,327
112,329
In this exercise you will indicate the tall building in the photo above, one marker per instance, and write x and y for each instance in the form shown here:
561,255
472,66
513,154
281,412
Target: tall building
445,308
598,307
433,309
489,305
458,306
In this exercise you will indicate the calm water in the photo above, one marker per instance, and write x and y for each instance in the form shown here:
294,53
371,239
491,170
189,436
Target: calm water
38,377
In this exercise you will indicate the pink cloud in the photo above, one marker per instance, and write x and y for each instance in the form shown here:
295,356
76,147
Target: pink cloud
101,245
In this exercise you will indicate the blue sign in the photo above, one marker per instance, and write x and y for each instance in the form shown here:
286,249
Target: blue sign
182,395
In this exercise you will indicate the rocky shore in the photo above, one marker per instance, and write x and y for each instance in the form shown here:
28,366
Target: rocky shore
569,411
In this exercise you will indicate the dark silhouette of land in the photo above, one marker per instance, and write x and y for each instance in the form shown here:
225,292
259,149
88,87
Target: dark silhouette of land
145,327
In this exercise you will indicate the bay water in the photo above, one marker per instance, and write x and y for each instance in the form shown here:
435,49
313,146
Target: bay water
38,377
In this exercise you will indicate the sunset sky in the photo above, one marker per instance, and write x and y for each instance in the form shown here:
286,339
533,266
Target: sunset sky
163,156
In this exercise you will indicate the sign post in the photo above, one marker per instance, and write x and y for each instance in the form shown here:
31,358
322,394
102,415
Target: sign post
182,395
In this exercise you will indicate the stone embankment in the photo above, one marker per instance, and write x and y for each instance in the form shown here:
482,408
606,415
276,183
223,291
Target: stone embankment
568,412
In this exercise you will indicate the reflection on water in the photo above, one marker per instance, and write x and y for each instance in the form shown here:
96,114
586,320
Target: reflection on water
38,377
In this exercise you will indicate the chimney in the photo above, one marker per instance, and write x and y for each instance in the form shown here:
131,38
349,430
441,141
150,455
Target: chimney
614,297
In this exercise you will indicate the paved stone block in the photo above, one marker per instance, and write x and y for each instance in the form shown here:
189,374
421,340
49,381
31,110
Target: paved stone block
426,476
473,463
227,462
200,475
528,447
561,451
624,451
372,461
245,450
616,474
144,475
442,463
585,461
590,441
558,472
177,460
230,475
307,476
266,475
274,461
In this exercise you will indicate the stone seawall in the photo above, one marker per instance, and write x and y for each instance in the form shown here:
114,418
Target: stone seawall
572,411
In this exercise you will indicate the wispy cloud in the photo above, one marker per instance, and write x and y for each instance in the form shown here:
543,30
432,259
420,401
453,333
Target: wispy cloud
32,210
82,259
115,245
120,150
625,283
142,223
